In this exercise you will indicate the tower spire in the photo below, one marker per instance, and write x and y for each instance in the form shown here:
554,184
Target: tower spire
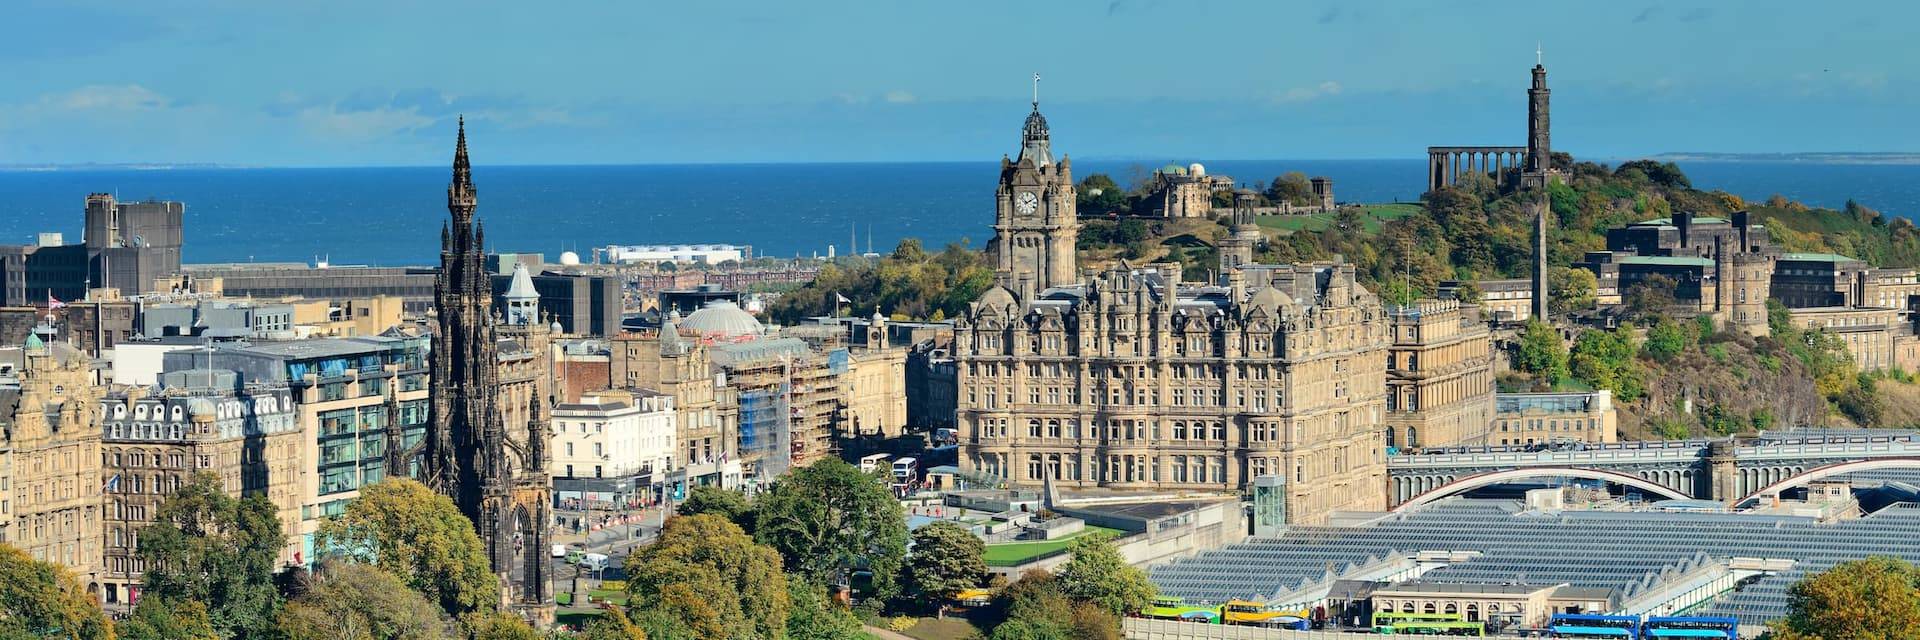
1036,91
1539,55
462,170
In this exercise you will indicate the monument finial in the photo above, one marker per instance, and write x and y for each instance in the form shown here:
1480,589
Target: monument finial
1036,91
1539,55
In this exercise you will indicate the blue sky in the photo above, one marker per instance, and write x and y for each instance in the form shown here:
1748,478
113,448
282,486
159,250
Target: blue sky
555,82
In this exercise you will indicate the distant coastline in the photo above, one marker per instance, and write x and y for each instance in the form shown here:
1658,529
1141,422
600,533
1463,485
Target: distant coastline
1825,157
118,166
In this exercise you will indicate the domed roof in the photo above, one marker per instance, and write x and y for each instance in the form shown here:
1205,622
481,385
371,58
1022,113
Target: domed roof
569,258
1197,170
722,319
201,409
997,299
1174,170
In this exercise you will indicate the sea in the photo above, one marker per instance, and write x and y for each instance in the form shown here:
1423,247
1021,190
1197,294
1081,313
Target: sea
389,215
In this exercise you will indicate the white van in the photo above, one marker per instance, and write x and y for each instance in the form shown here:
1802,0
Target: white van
559,551
594,562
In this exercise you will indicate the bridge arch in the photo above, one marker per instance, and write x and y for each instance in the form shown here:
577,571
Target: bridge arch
1784,481
1491,478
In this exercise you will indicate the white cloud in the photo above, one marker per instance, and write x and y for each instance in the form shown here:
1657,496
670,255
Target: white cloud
331,123
900,97
1307,94
129,97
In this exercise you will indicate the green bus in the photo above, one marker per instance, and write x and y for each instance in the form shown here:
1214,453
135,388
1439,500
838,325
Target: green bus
1167,608
1451,628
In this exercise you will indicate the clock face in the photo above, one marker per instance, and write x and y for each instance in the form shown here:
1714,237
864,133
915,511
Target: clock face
1027,202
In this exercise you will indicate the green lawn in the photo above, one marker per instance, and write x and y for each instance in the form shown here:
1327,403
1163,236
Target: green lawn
1376,214
1006,554
931,628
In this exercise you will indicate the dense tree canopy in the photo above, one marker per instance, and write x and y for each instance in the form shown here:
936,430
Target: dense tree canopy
1542,353
206,546
829,519
1099,576
1037,607
44,600
1875,598
725,503
357,601
418,534
705,573
947,559
909,283
160,619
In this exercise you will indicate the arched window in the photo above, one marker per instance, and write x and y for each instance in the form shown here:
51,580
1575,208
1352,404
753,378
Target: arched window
1413,437
1451,608
1428,608
1473,612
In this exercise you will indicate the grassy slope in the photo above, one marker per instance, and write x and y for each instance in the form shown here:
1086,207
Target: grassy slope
1376,214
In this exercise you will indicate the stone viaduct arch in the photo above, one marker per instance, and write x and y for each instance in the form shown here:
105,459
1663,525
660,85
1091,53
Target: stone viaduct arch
1799,478
1491,478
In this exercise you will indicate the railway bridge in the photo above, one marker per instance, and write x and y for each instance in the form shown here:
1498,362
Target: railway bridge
1725,470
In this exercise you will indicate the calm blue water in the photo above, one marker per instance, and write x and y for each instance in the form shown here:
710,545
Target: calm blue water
390,216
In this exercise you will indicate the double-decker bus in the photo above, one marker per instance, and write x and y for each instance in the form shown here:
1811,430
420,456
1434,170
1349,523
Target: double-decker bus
1589,625
1710,627
1166,608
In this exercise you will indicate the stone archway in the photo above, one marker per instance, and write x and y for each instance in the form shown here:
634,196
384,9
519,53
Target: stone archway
1488,479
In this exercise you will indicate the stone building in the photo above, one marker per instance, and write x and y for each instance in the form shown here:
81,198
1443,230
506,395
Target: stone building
1878,338
876,381
154,439
1439,375
1719,266
1184,192
1130,379
50,408
931,383
1553,417
707,412
1035,220
625,433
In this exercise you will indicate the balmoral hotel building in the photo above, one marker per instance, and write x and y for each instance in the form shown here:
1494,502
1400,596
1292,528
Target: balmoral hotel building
1129,379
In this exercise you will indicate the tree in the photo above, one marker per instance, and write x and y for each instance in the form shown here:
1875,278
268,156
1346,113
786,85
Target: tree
1293,186
44,600
1877,597
705,571
1541,353
814,616
208,547
1036,608
161,619
1098,575
420,536
725,503
947,559
496,625
828,519
612,625
1572,289
1666,339
356,600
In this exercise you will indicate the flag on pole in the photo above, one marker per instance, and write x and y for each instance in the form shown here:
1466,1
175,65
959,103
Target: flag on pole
53,303
841,299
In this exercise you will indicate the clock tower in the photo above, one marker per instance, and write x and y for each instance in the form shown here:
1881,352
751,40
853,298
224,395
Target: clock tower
1035,221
